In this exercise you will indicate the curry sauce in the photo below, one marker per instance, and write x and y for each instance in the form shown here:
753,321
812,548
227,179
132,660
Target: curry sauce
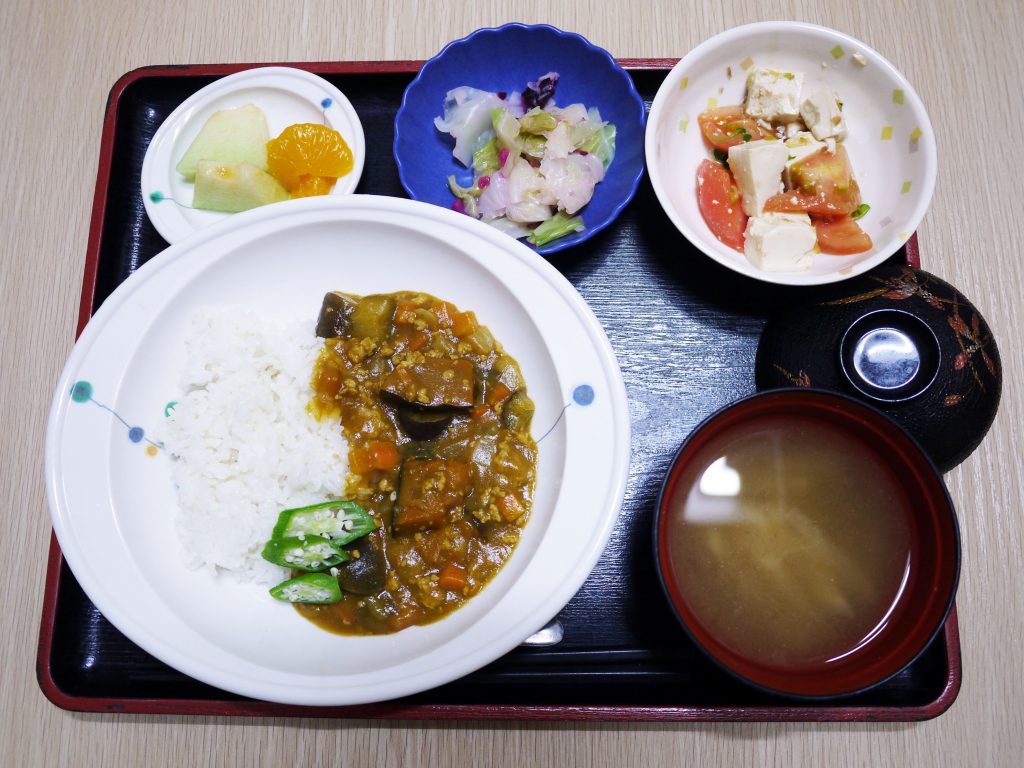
437,420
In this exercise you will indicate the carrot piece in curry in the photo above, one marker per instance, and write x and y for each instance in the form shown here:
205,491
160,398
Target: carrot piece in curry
464,323
497,394
376,454
453,577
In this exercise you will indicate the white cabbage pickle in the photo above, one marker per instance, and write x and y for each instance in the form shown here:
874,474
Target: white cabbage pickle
535,165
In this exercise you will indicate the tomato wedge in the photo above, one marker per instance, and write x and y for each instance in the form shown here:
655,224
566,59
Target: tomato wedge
718,198
725,127
821,183
840,235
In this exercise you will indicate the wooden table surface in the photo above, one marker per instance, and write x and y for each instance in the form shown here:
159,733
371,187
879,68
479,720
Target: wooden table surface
57,62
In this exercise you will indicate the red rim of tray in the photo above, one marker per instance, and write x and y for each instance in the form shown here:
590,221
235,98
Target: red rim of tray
399,709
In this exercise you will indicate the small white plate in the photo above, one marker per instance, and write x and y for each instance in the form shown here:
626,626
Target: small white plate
112,498
890,139
286,96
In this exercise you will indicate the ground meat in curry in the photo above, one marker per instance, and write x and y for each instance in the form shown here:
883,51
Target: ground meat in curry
437,419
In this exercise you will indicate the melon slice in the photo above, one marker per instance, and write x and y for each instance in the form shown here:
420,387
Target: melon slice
229,136
234,187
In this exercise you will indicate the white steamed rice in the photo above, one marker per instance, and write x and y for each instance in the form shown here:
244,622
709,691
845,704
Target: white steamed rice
244,446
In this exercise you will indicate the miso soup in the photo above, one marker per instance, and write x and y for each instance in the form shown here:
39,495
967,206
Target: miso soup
790,539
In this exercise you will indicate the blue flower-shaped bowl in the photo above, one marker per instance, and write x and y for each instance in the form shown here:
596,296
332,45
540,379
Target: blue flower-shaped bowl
506,59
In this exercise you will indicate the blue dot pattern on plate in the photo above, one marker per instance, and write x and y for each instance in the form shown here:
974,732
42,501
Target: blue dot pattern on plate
81,392
157,197
326,103
583,394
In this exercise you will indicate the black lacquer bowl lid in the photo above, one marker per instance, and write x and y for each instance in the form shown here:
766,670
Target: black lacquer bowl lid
903,340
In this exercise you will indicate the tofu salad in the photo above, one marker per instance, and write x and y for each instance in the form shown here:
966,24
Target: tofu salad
780,187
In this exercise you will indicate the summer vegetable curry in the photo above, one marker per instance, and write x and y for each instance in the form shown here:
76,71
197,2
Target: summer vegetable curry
437,420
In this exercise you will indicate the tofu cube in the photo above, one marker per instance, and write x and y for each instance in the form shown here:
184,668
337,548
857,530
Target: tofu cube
820,110
757,167
780,242
792,129
800,146
774,95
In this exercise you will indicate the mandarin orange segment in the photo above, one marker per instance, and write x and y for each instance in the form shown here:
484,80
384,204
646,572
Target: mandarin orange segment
310,186
307,149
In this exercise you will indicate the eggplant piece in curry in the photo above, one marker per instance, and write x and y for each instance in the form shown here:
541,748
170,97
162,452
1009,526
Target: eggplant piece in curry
437,420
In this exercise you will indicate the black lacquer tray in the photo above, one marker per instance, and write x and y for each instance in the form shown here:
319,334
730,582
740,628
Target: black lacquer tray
685,331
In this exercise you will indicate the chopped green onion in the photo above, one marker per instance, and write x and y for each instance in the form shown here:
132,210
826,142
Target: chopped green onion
862,209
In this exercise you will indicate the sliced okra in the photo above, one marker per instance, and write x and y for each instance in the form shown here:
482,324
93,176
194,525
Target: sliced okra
339,521
304,553
320,588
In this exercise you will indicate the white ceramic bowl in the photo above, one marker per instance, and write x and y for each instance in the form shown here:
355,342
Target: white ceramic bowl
113,502
285,94
890,139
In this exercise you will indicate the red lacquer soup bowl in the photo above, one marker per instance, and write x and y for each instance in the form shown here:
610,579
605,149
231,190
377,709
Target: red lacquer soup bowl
806,543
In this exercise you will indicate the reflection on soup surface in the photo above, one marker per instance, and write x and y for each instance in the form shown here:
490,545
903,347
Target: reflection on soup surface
790,540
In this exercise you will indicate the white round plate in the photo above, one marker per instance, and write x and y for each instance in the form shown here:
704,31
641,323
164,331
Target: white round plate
113,502
286,96
890,139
